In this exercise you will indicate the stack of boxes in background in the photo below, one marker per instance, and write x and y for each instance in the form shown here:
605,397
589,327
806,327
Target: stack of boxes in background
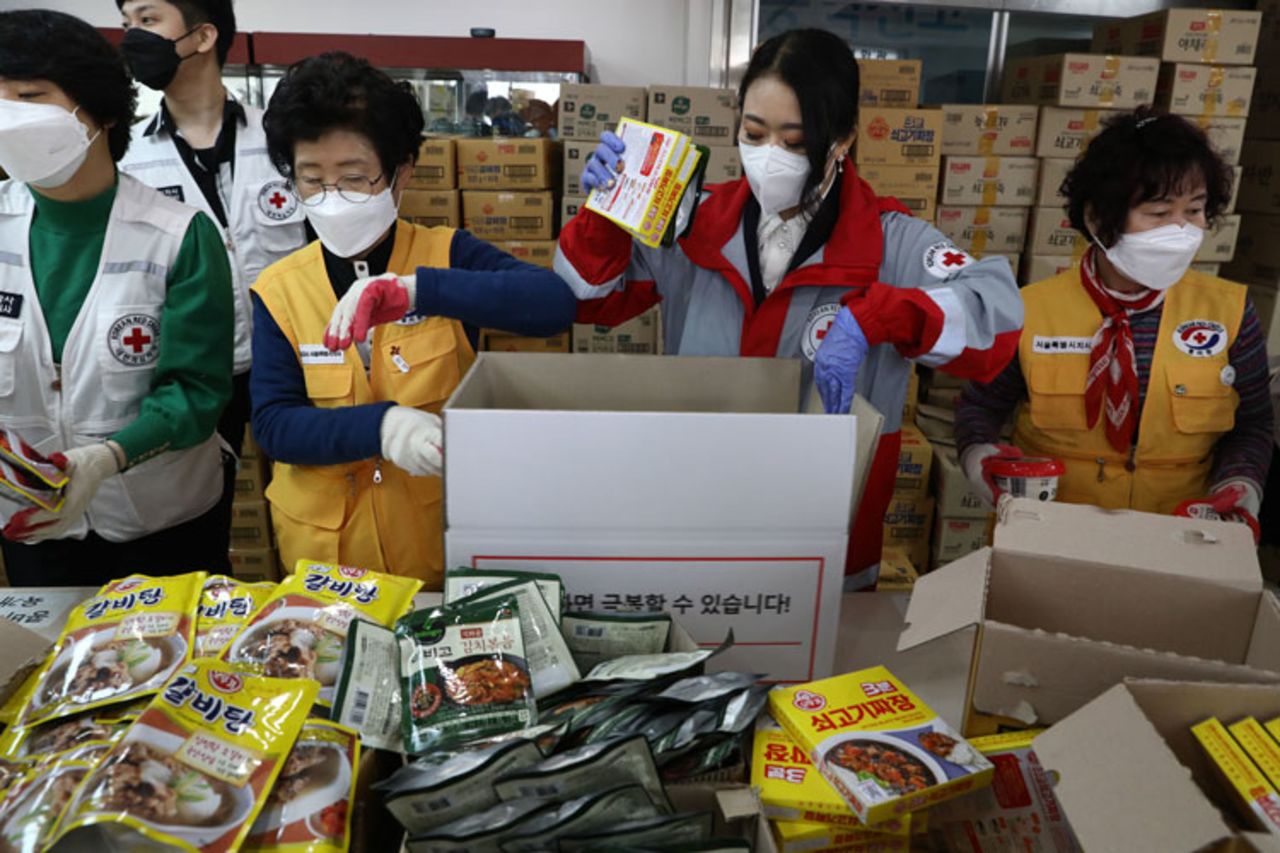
253,552
897,149
1257,261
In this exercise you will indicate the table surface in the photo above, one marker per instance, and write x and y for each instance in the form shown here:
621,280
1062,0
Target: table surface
870,623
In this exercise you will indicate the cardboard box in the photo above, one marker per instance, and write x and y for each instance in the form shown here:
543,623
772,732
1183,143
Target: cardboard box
994,129
709,116
724,165
1207,269
1219,243
1259,240
492,340
249,448
21,651
1225,134
1051,234
1067,132
436,167
587,110
954,538
540,253
914,186
690,513
913,394
433,208
1053,171
251,479
1040,267
1260,181
1205,90
509,216
915,459
889,82
978,230
897,572
576,155
569,207
1087,80
988,181
1130,775
1237,179
508,164
1072,599
1224,36
899,137
637,336
251,525
909,531
255,564
956,497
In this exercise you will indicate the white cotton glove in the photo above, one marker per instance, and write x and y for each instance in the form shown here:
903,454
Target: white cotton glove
86,468
412,440
1237,493
369,302
971,461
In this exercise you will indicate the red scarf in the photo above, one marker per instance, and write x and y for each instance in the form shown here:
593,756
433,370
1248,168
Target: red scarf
1113,367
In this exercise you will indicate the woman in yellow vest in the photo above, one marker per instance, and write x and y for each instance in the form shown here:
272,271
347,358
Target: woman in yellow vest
1146,378
354,431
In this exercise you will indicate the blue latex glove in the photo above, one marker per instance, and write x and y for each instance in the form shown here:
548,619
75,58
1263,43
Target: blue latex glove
602,166
836,364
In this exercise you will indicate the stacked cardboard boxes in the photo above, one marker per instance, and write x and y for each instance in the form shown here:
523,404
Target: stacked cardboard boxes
909,518
898,153
431,197
253,552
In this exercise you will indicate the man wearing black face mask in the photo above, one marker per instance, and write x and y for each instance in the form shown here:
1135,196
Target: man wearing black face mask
207,149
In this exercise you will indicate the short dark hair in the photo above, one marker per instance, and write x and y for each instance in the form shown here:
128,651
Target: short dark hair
338,91
36,44
820,68
216,12
1139,156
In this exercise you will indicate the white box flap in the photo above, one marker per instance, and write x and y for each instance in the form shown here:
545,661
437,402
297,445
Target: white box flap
947,600
1209,550
1121,786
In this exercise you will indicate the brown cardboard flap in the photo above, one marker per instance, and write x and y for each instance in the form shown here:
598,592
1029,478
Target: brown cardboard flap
20,651
947,600
1210,550
1121,786
1264,650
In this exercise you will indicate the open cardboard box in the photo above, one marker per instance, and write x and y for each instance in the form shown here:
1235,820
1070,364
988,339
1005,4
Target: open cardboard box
1073,599
21,651
706,483
1130,776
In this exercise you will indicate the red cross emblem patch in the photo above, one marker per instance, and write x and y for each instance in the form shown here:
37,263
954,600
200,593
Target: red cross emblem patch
277,201
134,340
943,260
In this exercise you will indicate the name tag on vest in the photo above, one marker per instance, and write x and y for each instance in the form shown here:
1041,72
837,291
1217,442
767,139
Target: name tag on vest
319,354
11,305
1061,346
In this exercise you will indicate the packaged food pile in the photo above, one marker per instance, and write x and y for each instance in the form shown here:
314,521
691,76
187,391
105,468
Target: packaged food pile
1246,760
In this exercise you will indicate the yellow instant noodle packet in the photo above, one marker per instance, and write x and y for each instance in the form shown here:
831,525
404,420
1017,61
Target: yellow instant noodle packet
55,737
309,808
33,806
123,643
196,768
300,631
225,606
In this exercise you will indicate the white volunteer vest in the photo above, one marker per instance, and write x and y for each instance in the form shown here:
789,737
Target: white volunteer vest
265,221
107,363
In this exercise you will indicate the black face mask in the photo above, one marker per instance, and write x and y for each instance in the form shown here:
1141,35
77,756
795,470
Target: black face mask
152,58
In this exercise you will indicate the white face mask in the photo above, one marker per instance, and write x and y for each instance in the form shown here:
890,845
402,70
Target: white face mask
345,228
776,176
1158,258
42,144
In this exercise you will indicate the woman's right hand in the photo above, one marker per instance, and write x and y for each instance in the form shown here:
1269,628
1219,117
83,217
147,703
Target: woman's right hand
604,164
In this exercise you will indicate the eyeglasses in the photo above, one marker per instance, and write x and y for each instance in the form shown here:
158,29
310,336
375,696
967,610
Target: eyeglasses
356,189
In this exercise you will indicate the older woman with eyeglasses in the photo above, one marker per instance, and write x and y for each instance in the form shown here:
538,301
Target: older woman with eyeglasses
350,419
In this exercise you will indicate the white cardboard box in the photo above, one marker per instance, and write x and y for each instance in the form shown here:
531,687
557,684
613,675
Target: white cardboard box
1072,599
637,475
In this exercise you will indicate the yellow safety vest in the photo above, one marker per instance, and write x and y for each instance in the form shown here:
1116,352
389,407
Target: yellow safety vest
1190,402
369,513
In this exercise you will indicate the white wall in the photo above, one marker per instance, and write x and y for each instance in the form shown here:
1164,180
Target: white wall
632,42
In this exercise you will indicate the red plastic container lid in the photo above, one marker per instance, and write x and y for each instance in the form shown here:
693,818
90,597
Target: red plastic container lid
1025,467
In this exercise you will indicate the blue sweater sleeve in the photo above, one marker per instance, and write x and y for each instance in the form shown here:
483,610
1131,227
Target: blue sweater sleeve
486,287
286,425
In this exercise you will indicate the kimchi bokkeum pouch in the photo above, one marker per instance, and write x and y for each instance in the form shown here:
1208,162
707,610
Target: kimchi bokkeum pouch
300,631
195,769
464,674
122,644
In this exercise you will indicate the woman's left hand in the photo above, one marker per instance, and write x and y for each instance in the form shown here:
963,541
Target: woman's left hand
836,364
369,302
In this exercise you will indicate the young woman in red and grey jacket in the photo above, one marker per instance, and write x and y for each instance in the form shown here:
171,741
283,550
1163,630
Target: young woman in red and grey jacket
801,259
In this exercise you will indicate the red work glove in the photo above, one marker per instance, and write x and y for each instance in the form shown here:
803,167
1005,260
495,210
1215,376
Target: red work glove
369,302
